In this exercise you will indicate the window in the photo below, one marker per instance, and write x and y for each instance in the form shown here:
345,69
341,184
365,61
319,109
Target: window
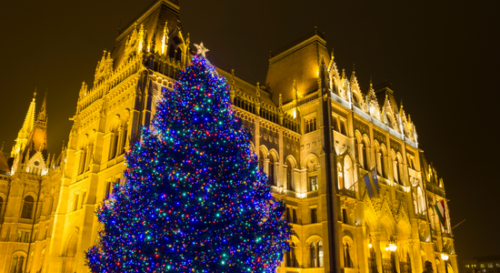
261,161
108,190
316,254
19,236
483,266
294,216
83,198
348,174
466,266
28,207
314,216
83,155
114,143
314,257
490,265
335,124
340,176
396,170
75,201
347,256
343,127
345,218
310,125
291,261
289,175
26,237
124,139
17,264
271,171
320,253
288,215
364,151
313,183
498,264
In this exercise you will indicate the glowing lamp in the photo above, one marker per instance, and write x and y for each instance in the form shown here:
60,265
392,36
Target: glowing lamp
444,256
370,242
392,244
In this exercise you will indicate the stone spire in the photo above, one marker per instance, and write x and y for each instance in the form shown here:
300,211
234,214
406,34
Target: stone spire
24,133
42,115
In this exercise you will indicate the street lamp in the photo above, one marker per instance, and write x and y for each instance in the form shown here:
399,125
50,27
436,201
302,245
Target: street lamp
392,245
444,256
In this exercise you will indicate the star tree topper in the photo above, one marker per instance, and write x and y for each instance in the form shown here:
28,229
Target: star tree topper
202,50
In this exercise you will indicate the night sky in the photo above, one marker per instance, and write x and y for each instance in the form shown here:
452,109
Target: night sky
441,56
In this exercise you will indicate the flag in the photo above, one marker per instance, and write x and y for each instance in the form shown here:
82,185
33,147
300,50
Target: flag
371,182
441,212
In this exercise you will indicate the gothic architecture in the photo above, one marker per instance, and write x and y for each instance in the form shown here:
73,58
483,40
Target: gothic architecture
318,135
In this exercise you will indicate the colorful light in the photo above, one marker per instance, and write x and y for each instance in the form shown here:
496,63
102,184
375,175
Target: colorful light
194,199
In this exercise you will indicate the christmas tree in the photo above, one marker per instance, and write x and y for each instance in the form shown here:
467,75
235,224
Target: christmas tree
194,199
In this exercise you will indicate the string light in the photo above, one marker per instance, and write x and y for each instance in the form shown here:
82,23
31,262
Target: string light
194,199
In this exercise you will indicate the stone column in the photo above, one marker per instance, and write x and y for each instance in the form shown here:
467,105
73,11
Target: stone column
376,244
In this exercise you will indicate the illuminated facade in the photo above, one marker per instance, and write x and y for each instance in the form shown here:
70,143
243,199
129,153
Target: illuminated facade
316,132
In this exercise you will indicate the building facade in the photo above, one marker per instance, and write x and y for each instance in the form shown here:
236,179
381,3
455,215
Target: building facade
484,264
316,133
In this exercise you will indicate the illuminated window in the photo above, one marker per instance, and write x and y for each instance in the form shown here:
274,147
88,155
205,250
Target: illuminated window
490,265
340,175
19,236
313,183
498,264
466,266
483,266
314,257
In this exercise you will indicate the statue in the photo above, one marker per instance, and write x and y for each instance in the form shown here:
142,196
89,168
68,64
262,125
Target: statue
428,267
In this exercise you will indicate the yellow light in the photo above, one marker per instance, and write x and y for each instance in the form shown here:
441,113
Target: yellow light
139,49
317,73
294,113
370,245
444,256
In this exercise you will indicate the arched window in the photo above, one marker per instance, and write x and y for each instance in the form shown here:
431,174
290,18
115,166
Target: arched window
289,175
348,174
364,149
28,207
347,256
314,257
83,155
271,171
320,253
382,170
15,260
124,138
114,142
17,264
178,55
291,260
396,170
340,176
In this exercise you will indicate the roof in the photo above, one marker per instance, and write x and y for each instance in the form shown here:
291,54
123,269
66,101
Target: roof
4,167
301,63
154,22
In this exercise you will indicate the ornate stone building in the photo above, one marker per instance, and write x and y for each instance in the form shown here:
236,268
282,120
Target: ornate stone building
316,132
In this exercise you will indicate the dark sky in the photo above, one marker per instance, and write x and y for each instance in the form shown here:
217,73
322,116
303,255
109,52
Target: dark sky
441,56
